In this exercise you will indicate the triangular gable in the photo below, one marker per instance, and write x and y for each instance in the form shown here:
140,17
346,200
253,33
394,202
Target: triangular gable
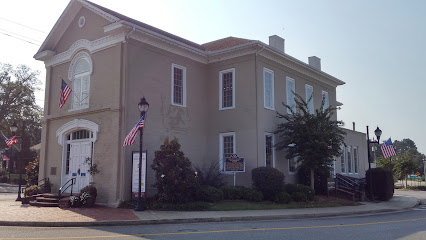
63,23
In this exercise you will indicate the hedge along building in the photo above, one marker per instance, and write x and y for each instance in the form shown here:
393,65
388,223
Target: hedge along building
217,98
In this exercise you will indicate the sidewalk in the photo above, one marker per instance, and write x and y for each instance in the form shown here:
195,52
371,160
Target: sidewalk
16,214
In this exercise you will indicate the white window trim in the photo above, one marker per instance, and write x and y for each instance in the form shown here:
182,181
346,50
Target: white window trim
328,99
353,159
273,148
307,86
73,94
183,85
295,167
344,160
289,79
221,160
221,89
265,70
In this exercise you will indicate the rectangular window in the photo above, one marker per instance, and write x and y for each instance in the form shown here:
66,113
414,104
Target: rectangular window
309,90
343,158
226,147
269,151
356,162
67,161
292,165
178,85
291,89
349,155
80,91
227,89
325,100
268,86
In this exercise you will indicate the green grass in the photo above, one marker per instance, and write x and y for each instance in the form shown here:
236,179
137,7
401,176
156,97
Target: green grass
243,205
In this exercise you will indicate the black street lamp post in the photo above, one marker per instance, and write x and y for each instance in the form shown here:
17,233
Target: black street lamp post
14,129
143,108
378,133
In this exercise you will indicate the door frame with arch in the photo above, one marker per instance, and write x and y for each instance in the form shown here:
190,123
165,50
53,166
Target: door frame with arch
77,139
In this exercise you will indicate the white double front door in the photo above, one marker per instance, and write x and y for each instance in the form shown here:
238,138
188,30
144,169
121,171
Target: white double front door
80,154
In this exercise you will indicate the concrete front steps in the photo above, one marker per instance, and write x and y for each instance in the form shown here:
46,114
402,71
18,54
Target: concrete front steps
46,200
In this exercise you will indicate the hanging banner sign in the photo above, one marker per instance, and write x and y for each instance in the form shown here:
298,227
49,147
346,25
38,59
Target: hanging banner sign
234,164
135,174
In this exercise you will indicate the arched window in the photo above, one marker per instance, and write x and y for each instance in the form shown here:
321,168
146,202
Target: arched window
79,74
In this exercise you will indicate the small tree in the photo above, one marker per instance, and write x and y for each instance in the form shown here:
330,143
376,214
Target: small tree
314,139
404,164
176,181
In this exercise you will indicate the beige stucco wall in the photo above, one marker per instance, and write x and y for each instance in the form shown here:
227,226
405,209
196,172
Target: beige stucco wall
358,140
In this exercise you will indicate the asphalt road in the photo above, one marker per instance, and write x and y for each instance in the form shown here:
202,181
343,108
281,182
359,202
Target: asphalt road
403,225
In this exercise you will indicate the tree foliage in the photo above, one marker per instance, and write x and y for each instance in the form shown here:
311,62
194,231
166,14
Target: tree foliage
176,182
17,101
405,164
313,139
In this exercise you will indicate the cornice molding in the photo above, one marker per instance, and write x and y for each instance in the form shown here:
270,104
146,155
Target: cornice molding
98,11
279,59
169,45
91,46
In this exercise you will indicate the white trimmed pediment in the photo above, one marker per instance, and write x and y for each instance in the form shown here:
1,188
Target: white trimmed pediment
77,124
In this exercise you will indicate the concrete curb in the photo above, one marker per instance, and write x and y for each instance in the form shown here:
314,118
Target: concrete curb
197,220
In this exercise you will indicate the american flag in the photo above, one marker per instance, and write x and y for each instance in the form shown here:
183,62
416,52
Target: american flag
5,158
130,138
388,149
65,92
10,141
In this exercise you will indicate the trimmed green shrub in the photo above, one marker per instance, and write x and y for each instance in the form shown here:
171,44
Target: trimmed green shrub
320,178
299,197
176,180
210,194
269,181
210,175
282,198
293,188
253,195
383,183
233,192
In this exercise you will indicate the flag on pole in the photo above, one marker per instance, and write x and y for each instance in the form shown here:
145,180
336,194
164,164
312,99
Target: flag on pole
387,149
9,141
5,158
65,92
130,138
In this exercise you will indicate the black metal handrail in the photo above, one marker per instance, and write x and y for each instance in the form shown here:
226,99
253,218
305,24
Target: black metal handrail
349,183
66,186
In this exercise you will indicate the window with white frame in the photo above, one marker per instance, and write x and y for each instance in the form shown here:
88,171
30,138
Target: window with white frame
291,89
356,162
268,86
178,85
325,100
349,155
309,91
292,165
227,89
343,159
269,150
226,147
81,83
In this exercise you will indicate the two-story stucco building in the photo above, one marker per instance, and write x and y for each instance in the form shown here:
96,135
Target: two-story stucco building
217,98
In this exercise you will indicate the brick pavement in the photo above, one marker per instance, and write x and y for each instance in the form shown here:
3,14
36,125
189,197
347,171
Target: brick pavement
15,211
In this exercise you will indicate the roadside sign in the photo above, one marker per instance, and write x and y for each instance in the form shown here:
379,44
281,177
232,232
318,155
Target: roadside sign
234,164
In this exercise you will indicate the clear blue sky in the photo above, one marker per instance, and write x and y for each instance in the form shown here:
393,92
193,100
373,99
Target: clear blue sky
377,47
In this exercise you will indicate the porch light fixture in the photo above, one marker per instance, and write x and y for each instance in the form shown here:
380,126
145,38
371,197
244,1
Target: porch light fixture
378,133
143,108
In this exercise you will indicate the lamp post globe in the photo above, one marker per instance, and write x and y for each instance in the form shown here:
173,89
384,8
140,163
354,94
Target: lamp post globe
378,133
143,108
13,128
